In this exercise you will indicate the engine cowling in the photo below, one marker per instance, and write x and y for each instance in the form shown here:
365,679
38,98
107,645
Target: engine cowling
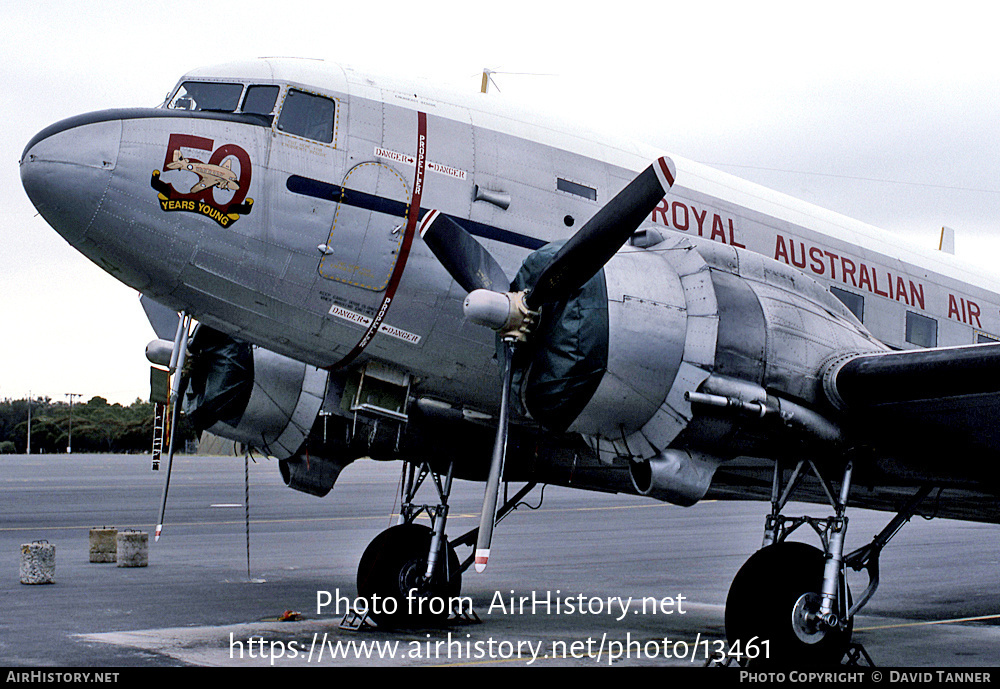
251,395
264,400
689,316
613,362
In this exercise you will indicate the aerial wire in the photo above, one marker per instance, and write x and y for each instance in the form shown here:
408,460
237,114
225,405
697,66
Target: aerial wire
488,78
856,178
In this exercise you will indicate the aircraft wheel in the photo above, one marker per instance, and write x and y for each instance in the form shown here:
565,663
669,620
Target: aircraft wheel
769,601
393,565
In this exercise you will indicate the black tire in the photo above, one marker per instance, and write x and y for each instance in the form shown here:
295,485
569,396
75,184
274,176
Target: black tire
762,601
393,564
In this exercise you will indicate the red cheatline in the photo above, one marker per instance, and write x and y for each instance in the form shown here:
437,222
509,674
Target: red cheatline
413,213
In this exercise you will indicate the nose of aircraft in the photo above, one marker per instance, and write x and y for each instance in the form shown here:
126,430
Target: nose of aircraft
66,169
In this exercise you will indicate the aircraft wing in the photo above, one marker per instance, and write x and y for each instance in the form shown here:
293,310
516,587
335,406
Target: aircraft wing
927,416
946,396
749,478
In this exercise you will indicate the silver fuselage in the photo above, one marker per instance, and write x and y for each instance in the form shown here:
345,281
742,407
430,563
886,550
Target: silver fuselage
311,241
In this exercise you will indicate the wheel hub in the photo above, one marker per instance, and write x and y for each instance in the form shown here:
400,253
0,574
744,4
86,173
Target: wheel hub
806,621
411,576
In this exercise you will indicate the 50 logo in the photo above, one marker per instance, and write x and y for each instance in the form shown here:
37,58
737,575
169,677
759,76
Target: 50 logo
220,188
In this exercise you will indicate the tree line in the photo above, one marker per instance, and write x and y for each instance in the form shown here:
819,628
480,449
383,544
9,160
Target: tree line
97,426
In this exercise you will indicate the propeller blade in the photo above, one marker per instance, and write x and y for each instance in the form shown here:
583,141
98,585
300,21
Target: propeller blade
488,517
603,235
177,385
465,259
574,264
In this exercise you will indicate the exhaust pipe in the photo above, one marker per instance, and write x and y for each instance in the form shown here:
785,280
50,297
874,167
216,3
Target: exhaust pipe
675,476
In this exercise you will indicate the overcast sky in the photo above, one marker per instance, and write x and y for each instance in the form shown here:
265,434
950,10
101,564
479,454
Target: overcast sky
886,114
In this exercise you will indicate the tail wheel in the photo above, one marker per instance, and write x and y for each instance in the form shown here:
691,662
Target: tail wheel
393,565
769,601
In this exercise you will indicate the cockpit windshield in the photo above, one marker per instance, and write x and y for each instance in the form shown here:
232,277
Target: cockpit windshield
207,95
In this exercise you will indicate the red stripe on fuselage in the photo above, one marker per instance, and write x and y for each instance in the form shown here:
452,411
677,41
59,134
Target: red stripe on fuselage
413,213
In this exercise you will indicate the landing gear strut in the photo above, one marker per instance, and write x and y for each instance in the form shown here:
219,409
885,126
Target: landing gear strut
790,598
790,603
392,578
772,606
410,574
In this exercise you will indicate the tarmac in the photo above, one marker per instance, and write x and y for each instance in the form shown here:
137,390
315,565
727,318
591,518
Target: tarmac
575,578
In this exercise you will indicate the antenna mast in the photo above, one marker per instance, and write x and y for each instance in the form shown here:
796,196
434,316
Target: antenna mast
488,78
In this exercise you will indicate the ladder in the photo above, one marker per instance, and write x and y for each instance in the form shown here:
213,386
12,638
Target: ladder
160,431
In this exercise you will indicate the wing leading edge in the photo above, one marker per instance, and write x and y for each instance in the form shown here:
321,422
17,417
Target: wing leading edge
947,397
925,416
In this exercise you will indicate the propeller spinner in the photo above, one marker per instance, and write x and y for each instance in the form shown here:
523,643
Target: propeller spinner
513,315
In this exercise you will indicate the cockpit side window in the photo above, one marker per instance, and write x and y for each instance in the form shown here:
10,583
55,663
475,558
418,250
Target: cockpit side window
260,99
207,95
308,115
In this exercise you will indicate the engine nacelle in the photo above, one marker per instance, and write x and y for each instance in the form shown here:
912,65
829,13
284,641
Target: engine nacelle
617,358
687,316
252,395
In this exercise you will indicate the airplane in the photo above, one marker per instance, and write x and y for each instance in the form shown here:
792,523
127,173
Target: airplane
398,272
221,176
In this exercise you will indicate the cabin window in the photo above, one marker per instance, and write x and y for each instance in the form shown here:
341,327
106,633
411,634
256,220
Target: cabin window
921,330
260,100
213,96
983,337
576,188
308,115
855,303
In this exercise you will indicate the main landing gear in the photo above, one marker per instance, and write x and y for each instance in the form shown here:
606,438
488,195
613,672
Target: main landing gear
789,603
410,574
